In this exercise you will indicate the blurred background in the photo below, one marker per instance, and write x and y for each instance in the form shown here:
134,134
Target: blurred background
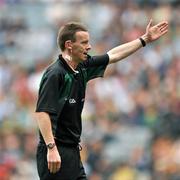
131,128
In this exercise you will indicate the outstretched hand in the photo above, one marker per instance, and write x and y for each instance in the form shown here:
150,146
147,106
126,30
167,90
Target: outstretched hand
155,32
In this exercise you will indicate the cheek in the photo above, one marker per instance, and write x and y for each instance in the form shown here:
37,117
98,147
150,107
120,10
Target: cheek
78,50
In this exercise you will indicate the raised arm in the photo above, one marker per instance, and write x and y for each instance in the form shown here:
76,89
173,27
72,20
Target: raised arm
152,33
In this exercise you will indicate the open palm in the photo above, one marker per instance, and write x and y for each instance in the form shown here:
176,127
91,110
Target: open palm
156,31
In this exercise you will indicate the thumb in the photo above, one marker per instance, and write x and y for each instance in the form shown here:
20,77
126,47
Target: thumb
149,25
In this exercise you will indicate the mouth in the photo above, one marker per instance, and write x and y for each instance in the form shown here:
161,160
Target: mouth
85,53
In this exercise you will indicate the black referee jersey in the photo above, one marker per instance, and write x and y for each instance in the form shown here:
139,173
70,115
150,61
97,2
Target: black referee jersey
62,95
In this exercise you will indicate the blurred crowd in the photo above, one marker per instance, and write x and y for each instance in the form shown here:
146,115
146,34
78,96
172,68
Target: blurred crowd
131,128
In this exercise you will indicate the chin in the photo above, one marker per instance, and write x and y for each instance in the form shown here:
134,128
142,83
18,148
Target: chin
83,59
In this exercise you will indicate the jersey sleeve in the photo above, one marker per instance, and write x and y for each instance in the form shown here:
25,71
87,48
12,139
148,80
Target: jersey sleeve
96,66
49,93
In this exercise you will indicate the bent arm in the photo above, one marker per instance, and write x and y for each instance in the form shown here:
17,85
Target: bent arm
152,33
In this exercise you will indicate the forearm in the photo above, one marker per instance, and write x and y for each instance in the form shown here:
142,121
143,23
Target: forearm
44,124
120,52
152,33
53,156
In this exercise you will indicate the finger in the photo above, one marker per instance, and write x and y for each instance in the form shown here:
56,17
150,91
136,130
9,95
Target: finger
58,165
161,24
149,24
164,28
50,166
164,32
54,167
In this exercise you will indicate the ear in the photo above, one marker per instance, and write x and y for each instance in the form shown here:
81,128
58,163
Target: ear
68,45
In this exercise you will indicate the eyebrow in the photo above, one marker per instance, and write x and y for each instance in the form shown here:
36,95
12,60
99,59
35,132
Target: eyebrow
85,41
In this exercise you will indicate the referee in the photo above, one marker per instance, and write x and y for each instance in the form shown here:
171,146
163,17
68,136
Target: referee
62,94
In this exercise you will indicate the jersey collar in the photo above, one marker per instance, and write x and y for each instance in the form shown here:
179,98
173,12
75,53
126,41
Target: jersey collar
67,65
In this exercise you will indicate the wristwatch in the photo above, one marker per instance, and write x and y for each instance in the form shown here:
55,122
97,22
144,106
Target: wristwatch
50,145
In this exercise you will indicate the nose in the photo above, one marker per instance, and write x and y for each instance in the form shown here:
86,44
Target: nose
89,47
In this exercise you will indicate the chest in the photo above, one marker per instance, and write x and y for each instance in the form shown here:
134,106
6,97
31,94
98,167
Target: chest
74,87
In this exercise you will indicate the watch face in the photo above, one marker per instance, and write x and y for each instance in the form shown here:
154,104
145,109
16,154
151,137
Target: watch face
50,145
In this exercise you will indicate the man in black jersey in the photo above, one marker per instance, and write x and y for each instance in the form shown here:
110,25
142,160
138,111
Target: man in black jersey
62,94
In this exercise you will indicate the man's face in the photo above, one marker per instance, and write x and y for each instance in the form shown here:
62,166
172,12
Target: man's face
81,46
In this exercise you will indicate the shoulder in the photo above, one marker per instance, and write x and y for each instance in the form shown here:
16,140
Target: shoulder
55,69
96,60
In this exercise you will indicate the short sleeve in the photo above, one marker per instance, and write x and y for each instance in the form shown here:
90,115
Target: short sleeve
96,66
49,93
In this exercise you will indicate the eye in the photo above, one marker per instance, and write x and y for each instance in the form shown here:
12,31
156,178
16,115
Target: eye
84,42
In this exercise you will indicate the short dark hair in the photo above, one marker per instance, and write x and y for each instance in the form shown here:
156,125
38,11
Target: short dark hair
67,32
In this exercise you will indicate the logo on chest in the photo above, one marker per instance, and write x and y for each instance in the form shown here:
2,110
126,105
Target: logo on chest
72,101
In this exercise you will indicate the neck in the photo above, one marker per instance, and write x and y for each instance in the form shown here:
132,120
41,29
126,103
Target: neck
68,58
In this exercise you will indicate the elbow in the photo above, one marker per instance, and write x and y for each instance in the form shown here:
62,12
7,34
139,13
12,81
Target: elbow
113,58
39,115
